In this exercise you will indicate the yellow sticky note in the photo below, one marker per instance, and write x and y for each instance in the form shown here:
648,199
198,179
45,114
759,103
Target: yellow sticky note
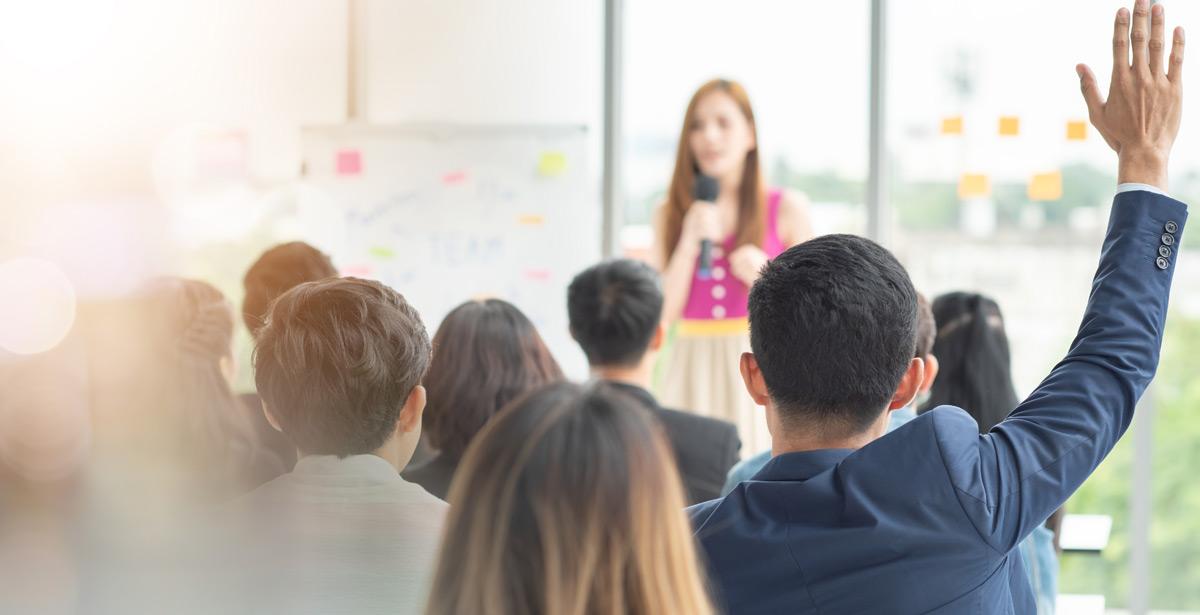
1076,131
1046,186
1010,126
973,185
531,220
552,164
952,125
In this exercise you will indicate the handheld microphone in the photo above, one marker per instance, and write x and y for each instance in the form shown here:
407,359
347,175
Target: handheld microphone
707,189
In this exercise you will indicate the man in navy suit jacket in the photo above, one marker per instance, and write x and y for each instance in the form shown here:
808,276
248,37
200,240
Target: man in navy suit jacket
842,519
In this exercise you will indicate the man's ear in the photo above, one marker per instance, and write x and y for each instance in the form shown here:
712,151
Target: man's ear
931,372
410,414
909,385
270,417
753,377
659,338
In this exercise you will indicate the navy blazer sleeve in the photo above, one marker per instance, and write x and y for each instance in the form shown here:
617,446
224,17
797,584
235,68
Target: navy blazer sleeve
1009,480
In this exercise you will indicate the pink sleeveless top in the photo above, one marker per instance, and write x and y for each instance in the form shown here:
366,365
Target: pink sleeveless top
723,295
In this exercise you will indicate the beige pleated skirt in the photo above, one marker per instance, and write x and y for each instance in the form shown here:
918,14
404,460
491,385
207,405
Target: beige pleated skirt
700,374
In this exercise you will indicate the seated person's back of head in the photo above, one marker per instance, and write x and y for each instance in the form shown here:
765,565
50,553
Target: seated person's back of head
197,419
973,352
926,330
615,312
277,271
568,503
339,364
487,353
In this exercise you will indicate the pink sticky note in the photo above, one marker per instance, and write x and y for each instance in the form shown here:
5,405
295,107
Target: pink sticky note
349,162
540,275
357,271
454,177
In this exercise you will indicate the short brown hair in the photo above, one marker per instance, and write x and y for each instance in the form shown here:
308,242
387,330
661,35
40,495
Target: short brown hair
277,271
926,328
485,354
336,361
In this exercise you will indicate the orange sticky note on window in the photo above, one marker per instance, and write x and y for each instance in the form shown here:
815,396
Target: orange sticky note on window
973,185
1046,186
531,220
1010,126
952,125
1076,131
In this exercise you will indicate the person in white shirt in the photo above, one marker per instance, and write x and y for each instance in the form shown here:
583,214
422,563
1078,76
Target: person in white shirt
338,365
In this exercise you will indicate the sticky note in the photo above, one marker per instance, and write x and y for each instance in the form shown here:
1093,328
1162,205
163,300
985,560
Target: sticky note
552,164
531,220
952,125
454,177
1046,186
222,154
349,162
1010,126
381,252
540,275
1076,131
358,271
972,185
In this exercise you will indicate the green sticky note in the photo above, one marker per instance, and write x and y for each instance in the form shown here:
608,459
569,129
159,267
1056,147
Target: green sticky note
381,252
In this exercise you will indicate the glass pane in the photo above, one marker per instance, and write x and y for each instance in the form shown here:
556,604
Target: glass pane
795,70
1000,186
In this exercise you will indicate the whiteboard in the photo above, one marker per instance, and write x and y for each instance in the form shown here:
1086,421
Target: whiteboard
444,214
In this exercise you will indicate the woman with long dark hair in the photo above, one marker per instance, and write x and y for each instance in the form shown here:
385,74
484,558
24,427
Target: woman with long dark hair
485,354
191,415
975,374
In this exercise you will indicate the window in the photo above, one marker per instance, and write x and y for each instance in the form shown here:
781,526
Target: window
804,65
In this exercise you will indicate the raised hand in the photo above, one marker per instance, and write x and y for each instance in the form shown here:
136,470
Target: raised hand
1140,119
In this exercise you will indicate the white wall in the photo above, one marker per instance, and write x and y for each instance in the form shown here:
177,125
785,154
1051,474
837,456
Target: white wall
485,61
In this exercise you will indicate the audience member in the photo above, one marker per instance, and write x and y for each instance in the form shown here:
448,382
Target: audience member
977,376
485,354
615,311
339,364
277,271
202,424
568,503
842,520
747,468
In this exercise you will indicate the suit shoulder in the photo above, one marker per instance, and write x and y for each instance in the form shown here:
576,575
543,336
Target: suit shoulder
698,514
716,427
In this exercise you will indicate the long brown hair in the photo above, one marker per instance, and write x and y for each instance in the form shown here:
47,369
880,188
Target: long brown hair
752,218
568,503
191,324
485,354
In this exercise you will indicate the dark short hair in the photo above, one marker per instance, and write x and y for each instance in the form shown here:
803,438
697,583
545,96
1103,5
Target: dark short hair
926,328
614,308
833,326
336,361
277,271
485,354
975,368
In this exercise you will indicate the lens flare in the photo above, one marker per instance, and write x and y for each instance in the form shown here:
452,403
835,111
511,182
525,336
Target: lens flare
37,305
